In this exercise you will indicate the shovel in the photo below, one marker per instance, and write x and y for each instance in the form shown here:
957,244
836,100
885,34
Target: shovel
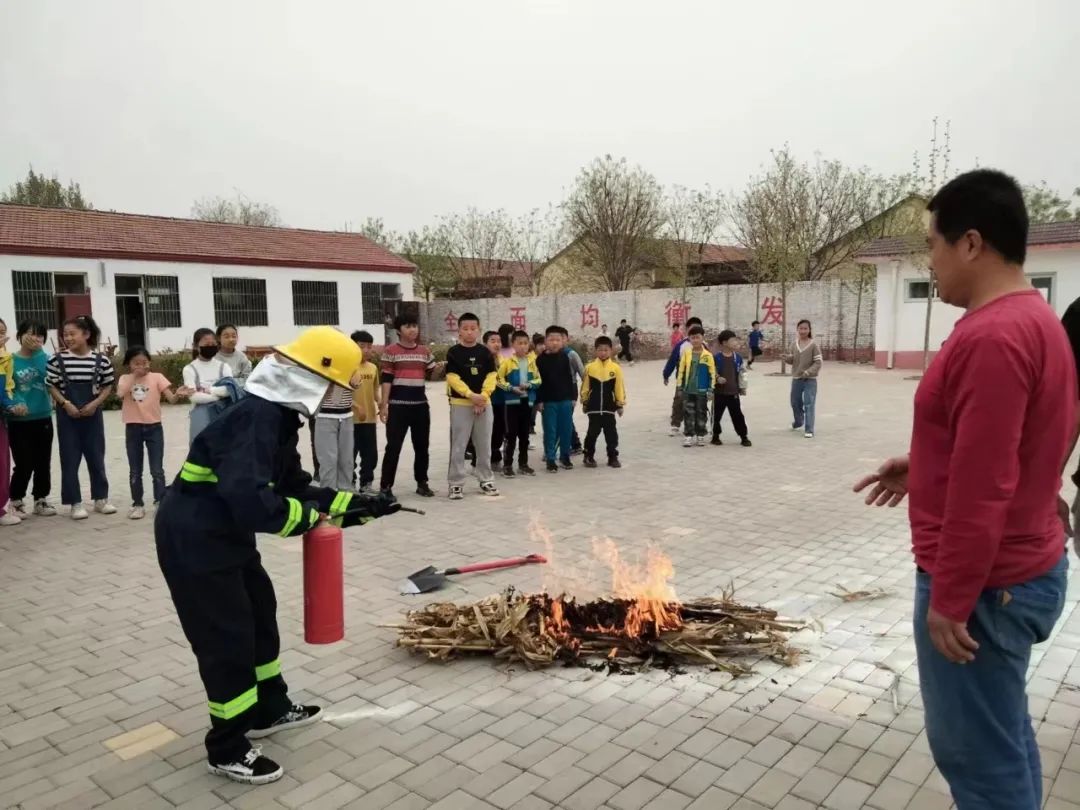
429,579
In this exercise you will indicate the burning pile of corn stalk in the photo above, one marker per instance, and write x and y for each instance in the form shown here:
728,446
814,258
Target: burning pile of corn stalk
538,630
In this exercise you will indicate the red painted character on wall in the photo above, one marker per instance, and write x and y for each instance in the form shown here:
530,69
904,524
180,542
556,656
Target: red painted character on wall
676,312
517,318
590,316
772,311
451,321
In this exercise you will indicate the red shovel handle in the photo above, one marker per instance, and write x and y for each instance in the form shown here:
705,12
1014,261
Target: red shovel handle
494,564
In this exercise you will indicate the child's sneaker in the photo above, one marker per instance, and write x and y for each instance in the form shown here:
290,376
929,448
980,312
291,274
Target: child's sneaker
589,462
103,507
78,512
388,494
10,519
700,441
18,508
296,717
716,441
808,435
674,431
508,471
688,441
796,425
251,769
525,469
552,467
457,493
137,513
488,488
424,491
746,442
566,464
614,463
43,508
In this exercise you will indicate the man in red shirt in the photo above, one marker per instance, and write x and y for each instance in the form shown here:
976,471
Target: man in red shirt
994,420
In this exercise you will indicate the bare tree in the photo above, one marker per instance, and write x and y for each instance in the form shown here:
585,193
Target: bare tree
374,229
239,211
476,244
615,212
691,222
536,238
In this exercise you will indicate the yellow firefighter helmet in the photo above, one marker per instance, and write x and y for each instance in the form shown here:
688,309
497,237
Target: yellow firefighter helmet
326,351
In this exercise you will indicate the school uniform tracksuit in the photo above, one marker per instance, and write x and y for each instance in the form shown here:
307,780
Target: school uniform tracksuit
365,440
670,367
697,374
514,410
603,392
470,370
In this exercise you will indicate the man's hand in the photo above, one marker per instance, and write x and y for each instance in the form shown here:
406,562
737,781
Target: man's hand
364,508
889,483
665,381
951,639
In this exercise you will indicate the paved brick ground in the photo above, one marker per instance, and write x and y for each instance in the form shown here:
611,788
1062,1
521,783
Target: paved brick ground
100,703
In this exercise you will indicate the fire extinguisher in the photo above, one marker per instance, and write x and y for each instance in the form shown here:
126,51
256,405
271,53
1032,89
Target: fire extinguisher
324,582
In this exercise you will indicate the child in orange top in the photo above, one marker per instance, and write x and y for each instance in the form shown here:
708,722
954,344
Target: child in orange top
140,392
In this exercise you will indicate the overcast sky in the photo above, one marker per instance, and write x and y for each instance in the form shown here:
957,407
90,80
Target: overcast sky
335,111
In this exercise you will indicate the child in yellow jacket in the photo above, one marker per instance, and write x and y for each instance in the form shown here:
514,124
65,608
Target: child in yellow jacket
603,395
697,376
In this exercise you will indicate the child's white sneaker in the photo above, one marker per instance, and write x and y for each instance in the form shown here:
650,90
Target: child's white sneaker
10,519
674,431
78,512
43,508
104,507
700,441
18,508
136,513
688,441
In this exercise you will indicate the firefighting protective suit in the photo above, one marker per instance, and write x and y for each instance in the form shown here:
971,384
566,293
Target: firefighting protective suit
242,476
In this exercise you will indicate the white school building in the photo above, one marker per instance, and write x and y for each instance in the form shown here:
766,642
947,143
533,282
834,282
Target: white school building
153,281
1053,266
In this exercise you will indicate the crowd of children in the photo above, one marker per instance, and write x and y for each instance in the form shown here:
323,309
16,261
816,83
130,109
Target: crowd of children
498,385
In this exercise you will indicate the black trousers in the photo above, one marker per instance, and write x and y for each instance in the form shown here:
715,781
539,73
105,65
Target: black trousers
230,619
366,451
733,405
624,353
403,419
518,420
498,434
602,422
31,450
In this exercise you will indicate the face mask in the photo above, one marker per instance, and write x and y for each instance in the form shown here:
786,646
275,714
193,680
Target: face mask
288,385
207,352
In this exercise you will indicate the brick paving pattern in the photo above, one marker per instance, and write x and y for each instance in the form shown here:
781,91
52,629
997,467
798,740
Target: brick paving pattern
101,704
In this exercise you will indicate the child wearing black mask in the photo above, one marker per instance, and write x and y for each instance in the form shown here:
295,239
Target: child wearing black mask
200,376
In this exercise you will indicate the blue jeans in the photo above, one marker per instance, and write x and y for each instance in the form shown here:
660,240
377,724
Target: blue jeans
977,719
153,437
558,429
803,399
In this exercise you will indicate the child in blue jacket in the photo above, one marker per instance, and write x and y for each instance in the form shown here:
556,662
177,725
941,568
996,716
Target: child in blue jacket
513,400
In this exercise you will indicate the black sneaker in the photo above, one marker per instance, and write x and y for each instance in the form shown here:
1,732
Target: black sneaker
576,451
566,464
614,462
424,490
489,488
589,462
746,442
388,493
508,471
296,717
552,467
716,440
525,469
251,769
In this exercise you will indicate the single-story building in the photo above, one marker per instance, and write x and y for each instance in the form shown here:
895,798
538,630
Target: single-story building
903,284
153,281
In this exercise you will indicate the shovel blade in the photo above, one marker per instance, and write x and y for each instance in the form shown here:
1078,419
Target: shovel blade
423,581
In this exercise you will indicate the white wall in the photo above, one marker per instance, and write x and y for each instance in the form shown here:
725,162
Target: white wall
196,295
1062,263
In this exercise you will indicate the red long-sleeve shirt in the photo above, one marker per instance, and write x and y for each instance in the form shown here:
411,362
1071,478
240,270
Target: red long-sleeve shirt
994,416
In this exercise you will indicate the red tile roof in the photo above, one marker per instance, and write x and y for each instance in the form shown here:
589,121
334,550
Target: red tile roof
1048,233
518,272
26,231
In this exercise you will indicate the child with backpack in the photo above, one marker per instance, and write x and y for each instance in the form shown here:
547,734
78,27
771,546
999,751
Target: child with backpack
201,377
140,392
80,379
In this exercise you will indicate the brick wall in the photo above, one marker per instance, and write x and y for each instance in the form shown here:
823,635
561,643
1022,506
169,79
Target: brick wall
829,305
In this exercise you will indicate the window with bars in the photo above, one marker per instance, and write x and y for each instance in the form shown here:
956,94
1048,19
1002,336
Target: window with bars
240,301
315,303
162,297
33,293
372,295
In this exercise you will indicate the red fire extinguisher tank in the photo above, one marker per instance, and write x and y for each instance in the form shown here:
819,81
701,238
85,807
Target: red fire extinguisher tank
324,585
